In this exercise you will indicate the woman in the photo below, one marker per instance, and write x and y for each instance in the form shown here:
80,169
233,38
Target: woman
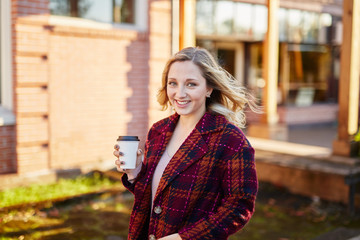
197,179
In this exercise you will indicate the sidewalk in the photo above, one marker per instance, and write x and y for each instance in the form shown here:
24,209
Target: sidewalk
340,234
315,135
309,149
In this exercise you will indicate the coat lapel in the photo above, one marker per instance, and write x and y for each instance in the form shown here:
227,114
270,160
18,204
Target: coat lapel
193,149
155,149
158,144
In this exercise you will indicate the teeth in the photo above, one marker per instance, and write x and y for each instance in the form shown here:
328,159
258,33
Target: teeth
182,102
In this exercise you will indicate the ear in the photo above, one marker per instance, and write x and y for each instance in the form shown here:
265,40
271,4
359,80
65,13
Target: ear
209,91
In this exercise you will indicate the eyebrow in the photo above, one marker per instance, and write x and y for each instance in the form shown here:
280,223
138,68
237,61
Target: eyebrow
188,79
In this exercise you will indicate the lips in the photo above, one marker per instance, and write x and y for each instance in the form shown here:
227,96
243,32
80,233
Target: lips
181,103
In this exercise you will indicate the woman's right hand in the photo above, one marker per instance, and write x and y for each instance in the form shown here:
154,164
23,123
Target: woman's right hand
117,153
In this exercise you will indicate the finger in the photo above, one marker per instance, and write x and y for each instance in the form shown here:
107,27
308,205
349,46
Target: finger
121,154
117,163
116,153
116,147
139,151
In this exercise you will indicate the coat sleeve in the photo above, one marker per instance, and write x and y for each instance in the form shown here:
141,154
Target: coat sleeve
240,188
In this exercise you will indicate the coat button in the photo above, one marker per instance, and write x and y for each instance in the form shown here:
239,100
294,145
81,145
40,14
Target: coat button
152,237
157,210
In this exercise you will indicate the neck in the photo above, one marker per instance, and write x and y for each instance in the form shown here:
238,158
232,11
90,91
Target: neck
189,122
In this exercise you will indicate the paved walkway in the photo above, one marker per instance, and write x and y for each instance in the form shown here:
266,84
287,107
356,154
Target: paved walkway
315,135
341,234
313,142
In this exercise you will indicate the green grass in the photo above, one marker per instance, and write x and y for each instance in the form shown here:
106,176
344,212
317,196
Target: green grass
63,188
279,215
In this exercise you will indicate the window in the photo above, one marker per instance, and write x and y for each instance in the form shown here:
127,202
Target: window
299,26
295,23
224,17
248,22
243,19
283,25
130,12
310,71
204,17
259,21
311,27
231,18
6,89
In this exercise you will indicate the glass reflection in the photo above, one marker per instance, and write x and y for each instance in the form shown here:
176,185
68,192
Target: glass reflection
204,17
97,10
259,21
242,19
108,11
249,22
283,25
295,20
311,27
224,17
325,28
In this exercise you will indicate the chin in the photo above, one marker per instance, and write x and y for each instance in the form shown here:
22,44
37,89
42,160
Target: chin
181,112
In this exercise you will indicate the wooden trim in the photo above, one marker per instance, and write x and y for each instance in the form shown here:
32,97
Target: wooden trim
349,80
349,74
270,64
187,23
6,56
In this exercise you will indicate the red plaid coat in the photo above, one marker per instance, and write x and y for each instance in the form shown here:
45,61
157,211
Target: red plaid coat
208,189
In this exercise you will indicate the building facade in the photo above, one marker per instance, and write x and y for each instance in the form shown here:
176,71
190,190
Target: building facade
74,76
309,52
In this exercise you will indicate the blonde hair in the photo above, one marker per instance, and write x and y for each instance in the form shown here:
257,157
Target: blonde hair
228,97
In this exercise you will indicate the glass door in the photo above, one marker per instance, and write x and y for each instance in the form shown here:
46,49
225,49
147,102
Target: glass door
231,58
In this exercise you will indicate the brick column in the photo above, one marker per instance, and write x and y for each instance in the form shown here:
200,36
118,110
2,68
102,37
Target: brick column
31,87
160,51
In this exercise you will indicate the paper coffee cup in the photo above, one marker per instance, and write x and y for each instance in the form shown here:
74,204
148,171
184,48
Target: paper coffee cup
128,146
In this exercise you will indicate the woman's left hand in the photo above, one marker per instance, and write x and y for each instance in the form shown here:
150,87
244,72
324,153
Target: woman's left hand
174,236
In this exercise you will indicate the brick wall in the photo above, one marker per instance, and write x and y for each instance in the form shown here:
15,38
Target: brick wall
98,90
7,149
160,51
25,97
78,88
31,92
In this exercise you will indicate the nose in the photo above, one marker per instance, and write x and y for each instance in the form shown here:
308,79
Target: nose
181,92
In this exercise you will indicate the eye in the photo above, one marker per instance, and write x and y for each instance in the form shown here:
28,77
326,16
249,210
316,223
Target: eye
191,84
171,83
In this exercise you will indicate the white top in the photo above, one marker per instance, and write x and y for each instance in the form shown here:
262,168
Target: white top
160,168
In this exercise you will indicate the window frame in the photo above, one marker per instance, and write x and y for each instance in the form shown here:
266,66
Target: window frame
7,116
141,19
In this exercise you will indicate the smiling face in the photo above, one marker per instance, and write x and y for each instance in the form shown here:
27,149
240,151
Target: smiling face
187,89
